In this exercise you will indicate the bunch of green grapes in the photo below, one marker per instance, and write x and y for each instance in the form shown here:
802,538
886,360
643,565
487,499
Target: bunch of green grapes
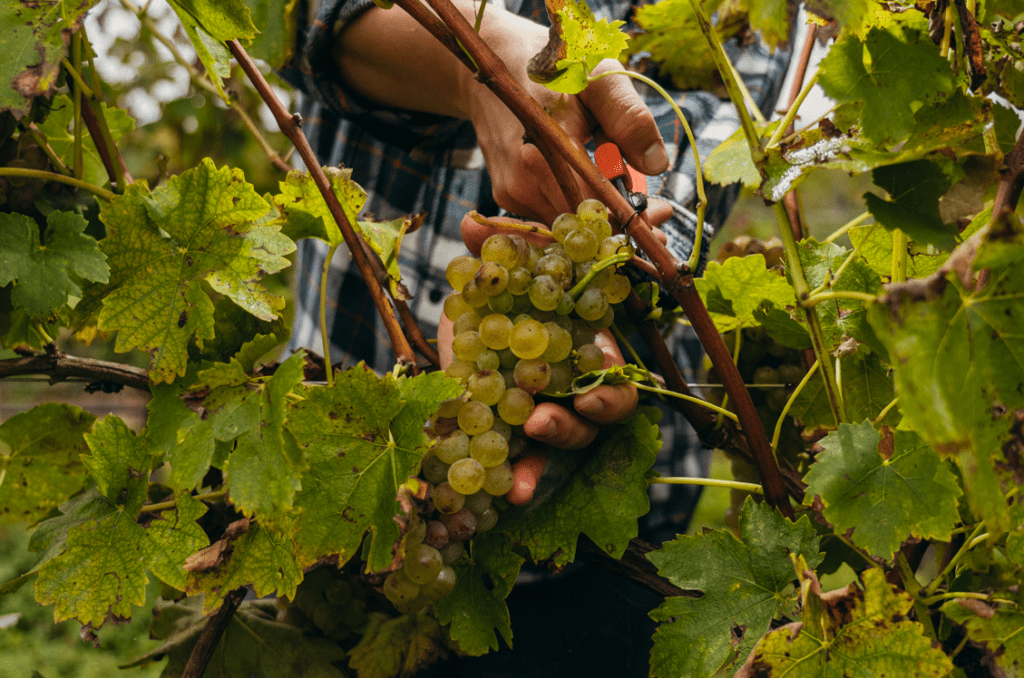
525,319
329,601
770,370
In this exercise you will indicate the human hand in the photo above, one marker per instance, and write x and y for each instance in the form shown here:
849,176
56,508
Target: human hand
522,180
562,427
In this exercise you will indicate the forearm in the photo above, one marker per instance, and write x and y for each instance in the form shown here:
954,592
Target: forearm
388,57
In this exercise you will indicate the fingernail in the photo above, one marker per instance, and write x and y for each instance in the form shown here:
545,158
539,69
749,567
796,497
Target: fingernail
591,407
548,428
655,159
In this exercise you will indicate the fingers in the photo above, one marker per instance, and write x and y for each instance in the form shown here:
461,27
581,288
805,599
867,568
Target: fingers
607,404
625,118
526,473
474,234
444,341
559,427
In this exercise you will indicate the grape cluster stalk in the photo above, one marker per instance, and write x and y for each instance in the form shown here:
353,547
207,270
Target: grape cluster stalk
524,319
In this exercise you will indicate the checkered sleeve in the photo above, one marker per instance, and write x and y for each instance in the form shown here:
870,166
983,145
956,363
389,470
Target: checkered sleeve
315,72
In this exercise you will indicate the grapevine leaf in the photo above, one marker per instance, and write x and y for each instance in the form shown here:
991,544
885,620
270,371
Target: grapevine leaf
734,290
277,21
241,335
261,558
253,644
304,211
392,647
476,608
1015,540
840,318
781,327
160,248
171,537
882,86
59,131
772,18
731,161
100,572
603,499
999,630
859,633
884,500
671,33
914,189
743,585
385,238
208,25
866,387
263,472
848,15
46,274
585,41
363,438
50,538
943,131
40,464
119,463
875,246
33,45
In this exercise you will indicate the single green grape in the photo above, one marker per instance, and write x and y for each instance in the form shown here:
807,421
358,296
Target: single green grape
590,305
589,358
591,209
442,585
468,345
490,449
545,293
495,330
499,479
446,498
422,563
488,360
617,288
398,588
601,228
519,280
491,278
559,343
615,244
475,418
516,405
460,370
500,249
452,447
501,302
434,470
461,270
557,266
581,245
467,476
473,295
532,375
561,378
466,322
455,305
487,520
528,339
486,386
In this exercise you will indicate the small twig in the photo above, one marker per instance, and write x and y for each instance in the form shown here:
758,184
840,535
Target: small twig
211,633
708,482
36,134
847,226
289,124
634,565
789,403
164,505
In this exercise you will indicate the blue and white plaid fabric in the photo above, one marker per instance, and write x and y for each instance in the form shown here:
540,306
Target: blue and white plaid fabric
410,162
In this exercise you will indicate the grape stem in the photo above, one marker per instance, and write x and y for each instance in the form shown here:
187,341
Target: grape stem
509,225
899,256
789,403
791,113
815,299
101,193
702,198
708,482
721,410
621,338
164,505
957,557
324,338
885,411
614,260
856,221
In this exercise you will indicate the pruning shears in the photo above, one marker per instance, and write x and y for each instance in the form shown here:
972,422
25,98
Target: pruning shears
630,183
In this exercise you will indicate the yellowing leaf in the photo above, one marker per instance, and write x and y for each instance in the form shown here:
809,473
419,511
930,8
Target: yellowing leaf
585,42
161,246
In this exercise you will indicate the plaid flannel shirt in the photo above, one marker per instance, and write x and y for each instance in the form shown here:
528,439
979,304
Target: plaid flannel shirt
410,162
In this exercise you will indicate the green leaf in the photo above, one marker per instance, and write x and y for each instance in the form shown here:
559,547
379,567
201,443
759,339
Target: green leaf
278,24
999,630
195,227
263,472
914,189
100,572
585,42
261,558
859,633
253,644
866,388
734,290
59,131
886,500
731,161
241,335
672,35
208,24
875,247
119,463
46,274
171,537
1015,540
33,44
848,14
385,238
40,465
840,318
743,587
603,497
772,19
363,438
399,647
476,608
304,211
50,538
882,86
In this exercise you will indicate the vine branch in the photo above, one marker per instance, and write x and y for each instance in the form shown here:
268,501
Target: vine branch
211,633
289,125
59,366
